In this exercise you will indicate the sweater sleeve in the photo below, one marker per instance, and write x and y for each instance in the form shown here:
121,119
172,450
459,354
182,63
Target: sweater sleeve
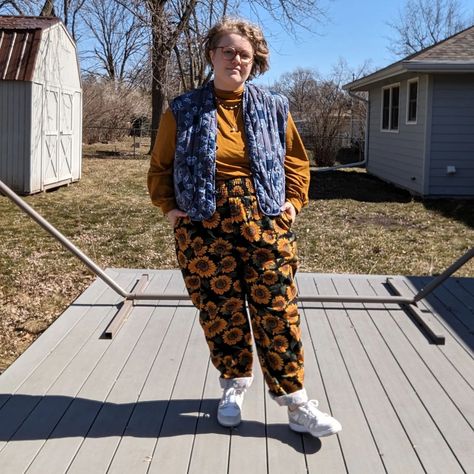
160,173
297,173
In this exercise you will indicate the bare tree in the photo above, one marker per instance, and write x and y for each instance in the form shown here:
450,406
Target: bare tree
175,30
169,19
329,119
423,23
299,86
353,123
321,107
290,14
166,30
109,108
120,40
188,52
18,7
166,20
67,10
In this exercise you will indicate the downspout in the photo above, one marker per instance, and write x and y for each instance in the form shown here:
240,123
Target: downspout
366,144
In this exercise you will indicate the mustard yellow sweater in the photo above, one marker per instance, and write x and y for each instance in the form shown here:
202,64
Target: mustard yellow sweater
231,154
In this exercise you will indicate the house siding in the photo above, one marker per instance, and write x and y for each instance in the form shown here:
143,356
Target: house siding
398,157
452,136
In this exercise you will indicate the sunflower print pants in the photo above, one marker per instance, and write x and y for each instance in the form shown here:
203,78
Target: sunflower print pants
241,256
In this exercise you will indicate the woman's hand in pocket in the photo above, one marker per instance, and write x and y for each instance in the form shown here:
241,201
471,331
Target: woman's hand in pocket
289,210
173,215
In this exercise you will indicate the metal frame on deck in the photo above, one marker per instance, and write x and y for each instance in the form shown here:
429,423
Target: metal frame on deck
407,302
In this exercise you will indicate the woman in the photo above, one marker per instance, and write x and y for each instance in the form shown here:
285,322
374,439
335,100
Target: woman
230,172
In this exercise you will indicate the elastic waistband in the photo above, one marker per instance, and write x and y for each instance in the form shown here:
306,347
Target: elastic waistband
235,187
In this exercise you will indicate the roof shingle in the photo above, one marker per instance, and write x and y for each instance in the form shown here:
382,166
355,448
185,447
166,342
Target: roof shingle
459,47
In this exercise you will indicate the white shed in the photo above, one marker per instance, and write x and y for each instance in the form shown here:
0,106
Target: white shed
40,105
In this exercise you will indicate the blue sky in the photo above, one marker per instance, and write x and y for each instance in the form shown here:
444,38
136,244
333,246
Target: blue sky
355,30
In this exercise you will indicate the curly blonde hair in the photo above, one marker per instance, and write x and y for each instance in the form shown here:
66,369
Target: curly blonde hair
248,30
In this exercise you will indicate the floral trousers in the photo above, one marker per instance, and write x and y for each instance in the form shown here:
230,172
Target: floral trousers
241,256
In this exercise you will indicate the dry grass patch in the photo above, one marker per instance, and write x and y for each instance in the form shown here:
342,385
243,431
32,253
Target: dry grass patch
353,224
357,224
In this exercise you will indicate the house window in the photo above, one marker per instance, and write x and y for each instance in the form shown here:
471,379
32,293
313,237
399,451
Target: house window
390,107
412,98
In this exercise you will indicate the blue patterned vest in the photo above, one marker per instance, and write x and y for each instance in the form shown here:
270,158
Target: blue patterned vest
265,119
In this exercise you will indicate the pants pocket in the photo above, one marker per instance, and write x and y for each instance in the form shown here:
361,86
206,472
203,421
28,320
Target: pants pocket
284,221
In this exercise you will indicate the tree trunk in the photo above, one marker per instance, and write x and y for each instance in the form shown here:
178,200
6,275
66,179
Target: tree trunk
48,9
163,42
160,59
158,98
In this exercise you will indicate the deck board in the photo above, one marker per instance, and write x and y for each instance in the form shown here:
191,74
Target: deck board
136,449
181,416
461,355
146,400
18,415
450,317
440,363
449,421
248,451
344,404
410,405
390,438
323,455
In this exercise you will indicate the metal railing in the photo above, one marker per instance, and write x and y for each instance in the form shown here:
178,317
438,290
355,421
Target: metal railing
140,295
153,296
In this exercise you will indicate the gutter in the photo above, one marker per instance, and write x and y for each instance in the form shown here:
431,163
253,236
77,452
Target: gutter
403,66
439,66
380,75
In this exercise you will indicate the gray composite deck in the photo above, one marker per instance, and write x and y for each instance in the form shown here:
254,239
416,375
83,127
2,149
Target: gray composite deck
146,401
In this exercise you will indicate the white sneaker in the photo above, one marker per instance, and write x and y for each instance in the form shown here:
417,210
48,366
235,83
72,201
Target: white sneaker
306,418
230,406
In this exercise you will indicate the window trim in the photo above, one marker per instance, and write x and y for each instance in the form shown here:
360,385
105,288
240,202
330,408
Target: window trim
409,81
390,129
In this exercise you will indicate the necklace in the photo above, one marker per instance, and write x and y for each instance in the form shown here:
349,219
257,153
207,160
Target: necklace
236,107
227,106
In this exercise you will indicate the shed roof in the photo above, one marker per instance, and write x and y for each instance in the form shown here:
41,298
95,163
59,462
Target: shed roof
19,42
454,54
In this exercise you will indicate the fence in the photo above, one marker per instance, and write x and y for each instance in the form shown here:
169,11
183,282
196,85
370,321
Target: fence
135,142
116,141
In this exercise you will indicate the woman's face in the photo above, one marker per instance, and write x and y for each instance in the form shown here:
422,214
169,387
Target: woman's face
230,74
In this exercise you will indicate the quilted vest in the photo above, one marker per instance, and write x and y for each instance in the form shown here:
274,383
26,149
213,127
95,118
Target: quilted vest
265,119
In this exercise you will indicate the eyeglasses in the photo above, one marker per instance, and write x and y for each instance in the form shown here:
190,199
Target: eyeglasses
230,53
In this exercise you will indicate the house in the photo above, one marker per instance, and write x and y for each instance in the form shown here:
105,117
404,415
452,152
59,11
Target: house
40,104
420,132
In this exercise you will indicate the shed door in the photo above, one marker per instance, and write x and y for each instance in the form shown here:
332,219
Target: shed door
57,137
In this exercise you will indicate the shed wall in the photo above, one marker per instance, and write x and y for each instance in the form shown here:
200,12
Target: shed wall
56,64
452,136
398,157
15,125
36,133
57,72
77,139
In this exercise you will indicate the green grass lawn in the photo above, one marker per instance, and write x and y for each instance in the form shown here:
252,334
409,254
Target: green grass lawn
353,224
